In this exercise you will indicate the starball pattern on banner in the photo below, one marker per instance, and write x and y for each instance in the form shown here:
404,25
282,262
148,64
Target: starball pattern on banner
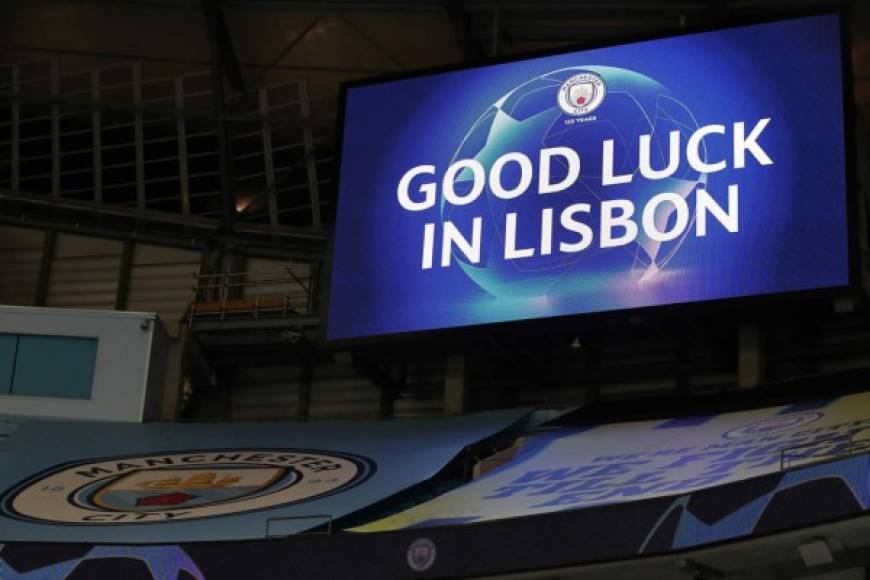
624,462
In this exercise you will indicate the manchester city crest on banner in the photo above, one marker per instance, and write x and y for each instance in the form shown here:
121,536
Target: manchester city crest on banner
181,486
421,554
581,94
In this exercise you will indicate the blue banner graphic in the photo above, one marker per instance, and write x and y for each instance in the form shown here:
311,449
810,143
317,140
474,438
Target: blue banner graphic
109,482
626,462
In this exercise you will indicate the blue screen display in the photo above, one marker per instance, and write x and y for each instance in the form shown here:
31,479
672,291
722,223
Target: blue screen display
692,168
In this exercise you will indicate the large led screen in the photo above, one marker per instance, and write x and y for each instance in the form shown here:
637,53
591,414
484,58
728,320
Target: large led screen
693,168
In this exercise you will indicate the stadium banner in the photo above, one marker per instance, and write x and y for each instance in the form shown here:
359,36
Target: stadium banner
693,168
167,482
828,492
568,468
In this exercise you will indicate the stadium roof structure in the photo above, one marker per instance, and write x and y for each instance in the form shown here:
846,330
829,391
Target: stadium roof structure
270,44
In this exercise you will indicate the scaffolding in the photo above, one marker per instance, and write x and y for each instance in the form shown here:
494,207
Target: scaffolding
251,294
115,137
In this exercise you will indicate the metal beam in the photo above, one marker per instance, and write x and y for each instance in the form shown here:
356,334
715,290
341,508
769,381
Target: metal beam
139,136
592,376
371,41
218,69
195,363
188,61
44,276
460,21
181,135
124,268
232,68
166,112
96,138
455,385
388,395
55,128
496,31
682,356
294,42
16,97
297,323
750,357
268,158
314,288
387,385
310,153
174,377
351,5
86,220
400,7
303,404
16,129
586,9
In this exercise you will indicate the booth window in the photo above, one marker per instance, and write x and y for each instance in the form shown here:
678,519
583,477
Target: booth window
47,366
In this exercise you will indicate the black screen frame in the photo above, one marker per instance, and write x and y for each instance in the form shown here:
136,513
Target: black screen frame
465,336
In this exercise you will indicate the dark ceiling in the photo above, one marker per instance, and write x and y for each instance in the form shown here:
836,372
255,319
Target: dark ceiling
275,44
334,40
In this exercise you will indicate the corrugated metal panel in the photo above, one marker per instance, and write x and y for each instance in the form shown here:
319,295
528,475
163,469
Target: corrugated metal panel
20,253
265,393
297,295
552,398
337,391
565,377
709,382
619,367
84,272
642,368
423,395
637,366
567,383
663,386
837,344
162,280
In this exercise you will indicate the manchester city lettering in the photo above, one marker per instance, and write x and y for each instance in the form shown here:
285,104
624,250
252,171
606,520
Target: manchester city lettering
620,222
182,486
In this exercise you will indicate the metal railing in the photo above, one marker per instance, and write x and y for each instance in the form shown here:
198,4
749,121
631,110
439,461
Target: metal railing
115,135
853,443
251,294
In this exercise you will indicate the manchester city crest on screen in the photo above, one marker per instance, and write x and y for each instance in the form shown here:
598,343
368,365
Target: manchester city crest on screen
582,93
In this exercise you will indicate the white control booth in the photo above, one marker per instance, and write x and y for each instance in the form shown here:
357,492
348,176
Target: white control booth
81,364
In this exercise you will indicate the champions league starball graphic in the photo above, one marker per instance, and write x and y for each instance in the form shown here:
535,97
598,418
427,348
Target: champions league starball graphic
528,119
166,562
